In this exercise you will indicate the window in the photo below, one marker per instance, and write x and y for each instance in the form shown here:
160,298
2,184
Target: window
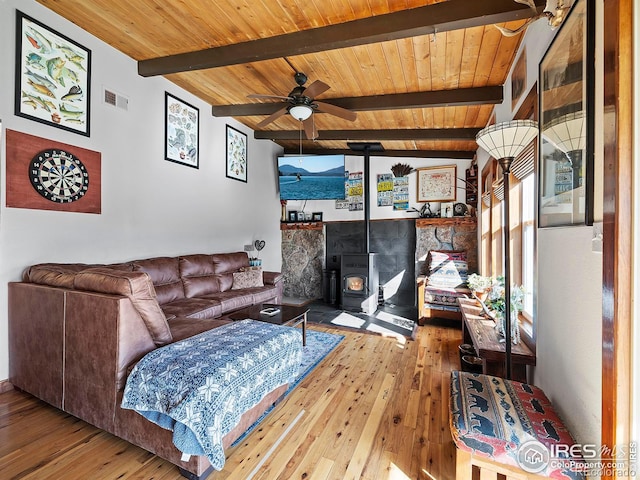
528,238
522,227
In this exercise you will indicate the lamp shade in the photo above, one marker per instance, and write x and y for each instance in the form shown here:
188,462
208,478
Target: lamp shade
301,112
567,133
507,139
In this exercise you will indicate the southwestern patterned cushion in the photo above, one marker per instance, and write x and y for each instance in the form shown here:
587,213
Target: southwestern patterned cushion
447,268
492,417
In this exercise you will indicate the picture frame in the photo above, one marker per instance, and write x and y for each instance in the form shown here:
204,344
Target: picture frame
181,132
436,184
566,122
317,216
293,216
53,77
300,217
236,154
446,210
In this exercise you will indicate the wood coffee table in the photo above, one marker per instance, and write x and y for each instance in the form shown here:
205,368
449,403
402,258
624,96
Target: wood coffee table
289,315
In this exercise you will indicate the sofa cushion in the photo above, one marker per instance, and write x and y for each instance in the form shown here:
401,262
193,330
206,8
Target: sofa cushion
198,275
135,285
445,296
165,275
447,268
193,308
233,299
266,294
247,278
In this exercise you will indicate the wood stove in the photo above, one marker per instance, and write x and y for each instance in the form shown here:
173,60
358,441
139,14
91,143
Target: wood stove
360,279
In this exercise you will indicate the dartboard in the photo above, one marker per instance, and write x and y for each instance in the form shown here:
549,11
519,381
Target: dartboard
58,176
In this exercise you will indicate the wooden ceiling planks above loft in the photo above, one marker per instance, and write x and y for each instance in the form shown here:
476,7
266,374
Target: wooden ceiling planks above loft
422,67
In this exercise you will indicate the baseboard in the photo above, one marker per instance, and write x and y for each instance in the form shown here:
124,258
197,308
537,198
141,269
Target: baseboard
5,386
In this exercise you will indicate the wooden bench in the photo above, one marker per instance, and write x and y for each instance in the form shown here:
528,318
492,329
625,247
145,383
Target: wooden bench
504,427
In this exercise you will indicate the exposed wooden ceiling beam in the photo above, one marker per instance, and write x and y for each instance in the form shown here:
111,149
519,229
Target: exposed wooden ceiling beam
452,154
441,98
430,19
396,134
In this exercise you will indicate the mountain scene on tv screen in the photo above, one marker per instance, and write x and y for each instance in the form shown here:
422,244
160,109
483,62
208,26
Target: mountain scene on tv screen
311,178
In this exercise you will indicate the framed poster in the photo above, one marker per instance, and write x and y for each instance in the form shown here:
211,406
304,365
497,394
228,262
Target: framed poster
566,80
436,184
236,154
181,131
53,77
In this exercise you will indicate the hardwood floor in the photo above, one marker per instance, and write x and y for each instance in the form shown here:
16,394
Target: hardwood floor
374,409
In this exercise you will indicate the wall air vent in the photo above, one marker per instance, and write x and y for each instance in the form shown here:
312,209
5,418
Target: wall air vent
115,99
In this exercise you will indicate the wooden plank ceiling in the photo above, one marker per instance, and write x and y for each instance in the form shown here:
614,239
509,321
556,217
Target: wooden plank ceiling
423,76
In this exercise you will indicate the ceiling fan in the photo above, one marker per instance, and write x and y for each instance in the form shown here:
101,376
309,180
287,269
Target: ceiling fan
301,104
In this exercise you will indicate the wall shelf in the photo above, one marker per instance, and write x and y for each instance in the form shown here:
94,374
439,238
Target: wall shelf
439,221
301,226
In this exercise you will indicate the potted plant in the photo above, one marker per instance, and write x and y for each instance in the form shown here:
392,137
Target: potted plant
496,302
479,285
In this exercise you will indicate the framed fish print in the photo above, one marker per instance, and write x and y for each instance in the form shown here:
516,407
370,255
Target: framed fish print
181,131
53,77
236,154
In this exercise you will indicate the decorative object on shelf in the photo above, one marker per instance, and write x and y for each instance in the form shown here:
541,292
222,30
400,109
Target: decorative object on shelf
566,168
437,184
299,216
53,77
401,169
293,216
258,246
236,154
283,210
460,209
317,216
446,209
181,131
46,175
505,141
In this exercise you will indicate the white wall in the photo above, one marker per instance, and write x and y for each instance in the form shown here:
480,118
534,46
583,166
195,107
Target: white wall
569,289
149,206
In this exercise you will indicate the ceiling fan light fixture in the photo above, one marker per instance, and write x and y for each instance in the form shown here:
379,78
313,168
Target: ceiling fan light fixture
301,112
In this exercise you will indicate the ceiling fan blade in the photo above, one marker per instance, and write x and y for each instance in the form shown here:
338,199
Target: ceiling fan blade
337,111
256,95
272,117
308,125
315,89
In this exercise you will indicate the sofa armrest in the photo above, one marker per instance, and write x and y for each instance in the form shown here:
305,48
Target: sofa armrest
271,278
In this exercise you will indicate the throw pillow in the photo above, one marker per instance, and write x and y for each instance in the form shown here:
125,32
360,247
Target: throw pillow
447,268
247,278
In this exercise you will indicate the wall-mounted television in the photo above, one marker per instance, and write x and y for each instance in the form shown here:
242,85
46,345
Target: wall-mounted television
311,177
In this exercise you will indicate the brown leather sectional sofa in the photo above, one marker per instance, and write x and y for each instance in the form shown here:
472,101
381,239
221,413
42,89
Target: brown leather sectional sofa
75,331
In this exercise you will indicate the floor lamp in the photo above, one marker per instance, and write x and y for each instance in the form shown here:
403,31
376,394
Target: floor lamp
505,141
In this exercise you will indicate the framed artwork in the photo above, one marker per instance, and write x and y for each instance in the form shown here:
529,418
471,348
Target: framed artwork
446,209
293,216
317,216
53,77
44,174
437,184
236,154
566,163
518,78
181,131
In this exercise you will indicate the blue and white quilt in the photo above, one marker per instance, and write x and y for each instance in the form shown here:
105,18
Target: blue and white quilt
200,387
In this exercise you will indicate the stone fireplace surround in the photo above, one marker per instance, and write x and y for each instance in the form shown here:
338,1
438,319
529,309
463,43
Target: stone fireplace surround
310,250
